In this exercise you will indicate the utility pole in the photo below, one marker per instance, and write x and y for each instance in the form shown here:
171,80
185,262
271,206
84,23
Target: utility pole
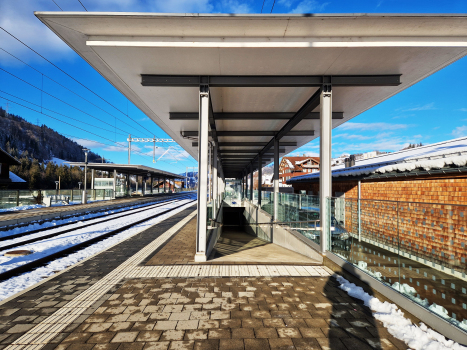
129,148
142,139
85,196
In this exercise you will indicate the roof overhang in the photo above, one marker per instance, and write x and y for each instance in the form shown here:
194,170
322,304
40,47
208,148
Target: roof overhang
128,169
258,65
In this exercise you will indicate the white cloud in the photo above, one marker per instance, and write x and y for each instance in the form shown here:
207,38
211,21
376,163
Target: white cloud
309,6
382,144
460,131
89,143
462,109
181,6
303,154
353,137
18,18
428,106
232,6
372,126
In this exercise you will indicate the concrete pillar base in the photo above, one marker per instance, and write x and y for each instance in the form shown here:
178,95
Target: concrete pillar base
200,257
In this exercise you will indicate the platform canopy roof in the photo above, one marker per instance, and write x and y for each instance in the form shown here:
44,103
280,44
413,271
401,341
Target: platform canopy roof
262,70
131,169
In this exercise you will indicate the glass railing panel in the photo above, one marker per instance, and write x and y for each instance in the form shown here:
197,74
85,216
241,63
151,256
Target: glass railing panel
419,249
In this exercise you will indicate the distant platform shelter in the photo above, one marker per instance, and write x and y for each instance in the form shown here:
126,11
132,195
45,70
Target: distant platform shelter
128,179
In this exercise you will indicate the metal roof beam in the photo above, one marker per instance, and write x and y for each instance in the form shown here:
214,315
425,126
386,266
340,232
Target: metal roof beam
309,105
250,133
248,144
249,116
247,151
237,156
270,80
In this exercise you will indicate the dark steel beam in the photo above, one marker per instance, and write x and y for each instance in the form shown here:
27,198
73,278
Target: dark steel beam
236,156
246,151
249,116
250,133
309,105
270,80
248,144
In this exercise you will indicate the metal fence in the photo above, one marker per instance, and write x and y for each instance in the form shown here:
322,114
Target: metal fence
17,198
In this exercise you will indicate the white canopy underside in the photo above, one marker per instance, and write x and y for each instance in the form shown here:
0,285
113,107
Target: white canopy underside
122,46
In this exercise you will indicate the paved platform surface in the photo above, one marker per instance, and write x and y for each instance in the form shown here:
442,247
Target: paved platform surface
238,247
233,248
114,301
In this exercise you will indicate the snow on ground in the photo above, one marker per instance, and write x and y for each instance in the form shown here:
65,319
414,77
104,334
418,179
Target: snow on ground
75,226
52,245
416,337
35,225
37,206
411,293
59,161
17,284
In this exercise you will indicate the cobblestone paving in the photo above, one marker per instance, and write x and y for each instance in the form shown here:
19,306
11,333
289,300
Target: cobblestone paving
230,313
180,249
22,313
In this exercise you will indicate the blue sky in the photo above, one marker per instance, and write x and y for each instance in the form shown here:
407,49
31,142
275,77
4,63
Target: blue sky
431,111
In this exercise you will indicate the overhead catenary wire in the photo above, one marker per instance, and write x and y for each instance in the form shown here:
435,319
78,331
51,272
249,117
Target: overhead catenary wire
57,5
56,82
272,8
64,72
77,127
83,5
42,91
63,115
262,6
63,86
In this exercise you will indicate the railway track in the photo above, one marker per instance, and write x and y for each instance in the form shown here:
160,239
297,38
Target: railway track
30,266
90,211
77,224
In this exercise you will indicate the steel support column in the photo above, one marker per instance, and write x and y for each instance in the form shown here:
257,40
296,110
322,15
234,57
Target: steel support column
325,179
214,182
203,132
251,182
152,185
260,178
92,179
276,179
115,184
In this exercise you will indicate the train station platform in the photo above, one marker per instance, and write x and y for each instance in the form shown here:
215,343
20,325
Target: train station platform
25,216
124,298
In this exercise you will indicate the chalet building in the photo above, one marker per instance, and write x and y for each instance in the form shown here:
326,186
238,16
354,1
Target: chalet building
7,178
290,167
